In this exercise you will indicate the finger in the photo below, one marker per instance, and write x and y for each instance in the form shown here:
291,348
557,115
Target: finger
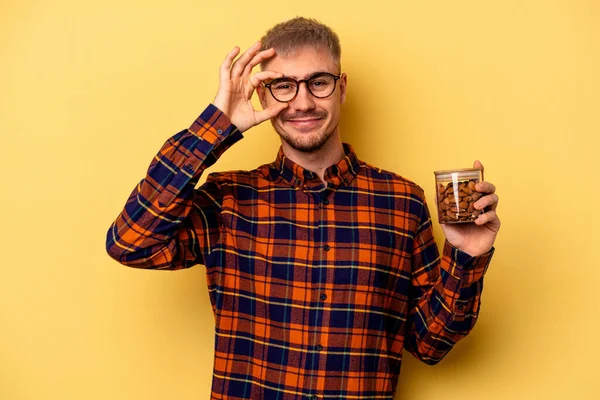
477,164
262,76
485,187
490,201
225,70
487,217
257,59
270,112
240,63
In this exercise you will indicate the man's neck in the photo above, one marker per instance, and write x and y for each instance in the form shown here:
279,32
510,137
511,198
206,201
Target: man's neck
318,161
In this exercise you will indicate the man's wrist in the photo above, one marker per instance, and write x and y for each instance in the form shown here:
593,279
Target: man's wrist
465,258
473,251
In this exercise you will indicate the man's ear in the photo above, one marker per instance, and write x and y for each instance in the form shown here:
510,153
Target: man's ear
343,86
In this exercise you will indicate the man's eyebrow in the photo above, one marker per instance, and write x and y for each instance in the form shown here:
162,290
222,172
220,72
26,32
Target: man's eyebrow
308,76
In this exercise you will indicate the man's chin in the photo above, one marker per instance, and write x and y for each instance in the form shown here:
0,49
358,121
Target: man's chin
308,148
305,143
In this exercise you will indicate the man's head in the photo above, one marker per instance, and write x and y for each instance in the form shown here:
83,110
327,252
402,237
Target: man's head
289,36
304,48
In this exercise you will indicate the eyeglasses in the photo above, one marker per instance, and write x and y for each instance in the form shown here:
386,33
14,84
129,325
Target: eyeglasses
320,85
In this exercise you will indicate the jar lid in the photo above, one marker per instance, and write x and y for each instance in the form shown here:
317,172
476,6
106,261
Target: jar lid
461,173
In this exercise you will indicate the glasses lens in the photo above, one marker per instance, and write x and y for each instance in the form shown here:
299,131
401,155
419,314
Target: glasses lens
322,85
284,89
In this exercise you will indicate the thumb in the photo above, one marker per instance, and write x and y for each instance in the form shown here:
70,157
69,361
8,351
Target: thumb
270,112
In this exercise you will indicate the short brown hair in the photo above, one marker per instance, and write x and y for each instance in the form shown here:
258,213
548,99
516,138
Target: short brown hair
299,32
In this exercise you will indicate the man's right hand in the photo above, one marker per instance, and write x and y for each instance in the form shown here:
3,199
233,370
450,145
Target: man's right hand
237,84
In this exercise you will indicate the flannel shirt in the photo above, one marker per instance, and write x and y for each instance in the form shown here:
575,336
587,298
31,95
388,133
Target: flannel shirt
315,289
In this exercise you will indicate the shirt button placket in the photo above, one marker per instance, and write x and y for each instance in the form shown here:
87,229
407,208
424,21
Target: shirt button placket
323,236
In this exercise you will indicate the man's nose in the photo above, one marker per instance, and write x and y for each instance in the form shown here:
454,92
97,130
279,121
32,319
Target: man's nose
304,100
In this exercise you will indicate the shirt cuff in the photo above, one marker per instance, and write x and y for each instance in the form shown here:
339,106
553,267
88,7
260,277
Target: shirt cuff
214,126
465,267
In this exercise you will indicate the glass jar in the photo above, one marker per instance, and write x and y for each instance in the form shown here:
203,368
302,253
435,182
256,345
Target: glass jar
456,195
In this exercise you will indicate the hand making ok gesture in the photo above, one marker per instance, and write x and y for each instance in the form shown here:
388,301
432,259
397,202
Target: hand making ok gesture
237,84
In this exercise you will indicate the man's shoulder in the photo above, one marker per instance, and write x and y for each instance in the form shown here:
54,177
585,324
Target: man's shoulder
261,173
381,178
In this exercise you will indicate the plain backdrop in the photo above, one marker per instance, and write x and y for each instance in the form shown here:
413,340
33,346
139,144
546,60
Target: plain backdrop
89,91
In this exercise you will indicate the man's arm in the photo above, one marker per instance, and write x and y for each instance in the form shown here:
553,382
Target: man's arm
446,291
445,295
166,224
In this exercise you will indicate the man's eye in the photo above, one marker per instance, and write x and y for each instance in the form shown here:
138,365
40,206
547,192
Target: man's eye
283,86
318,83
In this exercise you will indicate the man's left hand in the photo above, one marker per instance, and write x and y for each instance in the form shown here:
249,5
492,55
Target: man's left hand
477,238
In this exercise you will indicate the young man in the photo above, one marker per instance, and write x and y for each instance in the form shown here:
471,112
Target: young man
320,268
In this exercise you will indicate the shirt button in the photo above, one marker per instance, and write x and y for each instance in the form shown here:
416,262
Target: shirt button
325,201
313,397
326,247
319,347
188,167
219,131
323,296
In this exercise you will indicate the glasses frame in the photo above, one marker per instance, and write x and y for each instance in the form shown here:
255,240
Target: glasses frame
335,79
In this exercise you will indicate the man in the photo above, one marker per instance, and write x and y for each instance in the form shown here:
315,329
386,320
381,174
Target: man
320,268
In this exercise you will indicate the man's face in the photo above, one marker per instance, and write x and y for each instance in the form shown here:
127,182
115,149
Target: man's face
308,122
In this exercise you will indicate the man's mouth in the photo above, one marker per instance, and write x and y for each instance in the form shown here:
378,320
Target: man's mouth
304,123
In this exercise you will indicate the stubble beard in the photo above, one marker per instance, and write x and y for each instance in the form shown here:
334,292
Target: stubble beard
305,142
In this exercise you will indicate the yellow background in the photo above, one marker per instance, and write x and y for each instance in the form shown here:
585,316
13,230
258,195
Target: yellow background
90,91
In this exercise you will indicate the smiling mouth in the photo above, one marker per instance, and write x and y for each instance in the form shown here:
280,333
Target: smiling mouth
307,124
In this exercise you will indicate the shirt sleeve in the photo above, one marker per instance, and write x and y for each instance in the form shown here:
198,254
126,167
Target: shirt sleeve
445,294
166,223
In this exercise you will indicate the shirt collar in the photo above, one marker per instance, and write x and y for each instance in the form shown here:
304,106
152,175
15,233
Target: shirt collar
340,174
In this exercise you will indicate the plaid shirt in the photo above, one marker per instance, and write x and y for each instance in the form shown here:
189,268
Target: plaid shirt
316,289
